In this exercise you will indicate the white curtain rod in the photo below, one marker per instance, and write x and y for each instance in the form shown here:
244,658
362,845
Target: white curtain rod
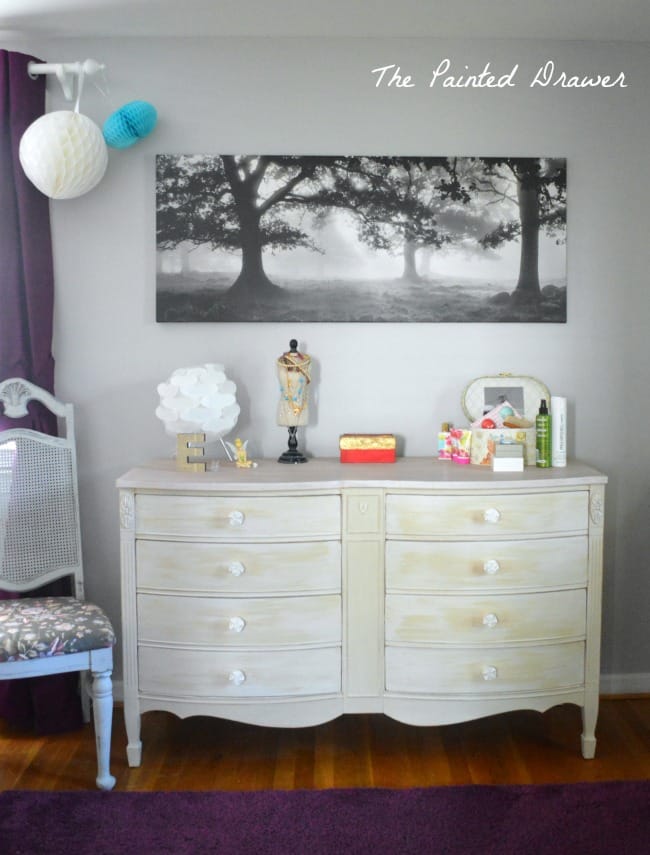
66,72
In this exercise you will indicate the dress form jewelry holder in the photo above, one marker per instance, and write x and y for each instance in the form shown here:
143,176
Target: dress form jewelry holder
294,375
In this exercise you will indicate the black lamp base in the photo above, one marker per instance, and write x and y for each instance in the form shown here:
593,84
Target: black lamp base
292,455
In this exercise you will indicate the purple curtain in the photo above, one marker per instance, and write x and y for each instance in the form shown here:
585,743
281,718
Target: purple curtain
49,704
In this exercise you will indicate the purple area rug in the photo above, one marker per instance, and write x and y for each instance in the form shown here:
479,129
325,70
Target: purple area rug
585,819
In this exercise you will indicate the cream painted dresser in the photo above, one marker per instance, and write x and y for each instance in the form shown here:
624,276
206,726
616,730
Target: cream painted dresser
287,595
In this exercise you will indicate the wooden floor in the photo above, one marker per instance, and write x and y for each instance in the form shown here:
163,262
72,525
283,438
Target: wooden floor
353,751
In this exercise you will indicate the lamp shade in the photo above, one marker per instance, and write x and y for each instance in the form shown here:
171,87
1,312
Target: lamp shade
200,399
63,154
129,124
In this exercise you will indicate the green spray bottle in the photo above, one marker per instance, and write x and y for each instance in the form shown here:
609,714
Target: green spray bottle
543,436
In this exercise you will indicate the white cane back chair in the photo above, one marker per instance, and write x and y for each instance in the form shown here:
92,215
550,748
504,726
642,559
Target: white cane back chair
40,542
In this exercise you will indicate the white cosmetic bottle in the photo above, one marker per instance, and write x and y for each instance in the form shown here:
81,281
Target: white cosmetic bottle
558,431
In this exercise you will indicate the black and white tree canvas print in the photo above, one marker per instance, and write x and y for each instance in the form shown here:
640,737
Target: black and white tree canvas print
360,239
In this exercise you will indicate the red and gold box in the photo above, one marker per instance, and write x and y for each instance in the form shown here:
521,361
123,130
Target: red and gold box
367,448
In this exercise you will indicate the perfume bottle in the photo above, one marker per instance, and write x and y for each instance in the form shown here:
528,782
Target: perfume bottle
543,436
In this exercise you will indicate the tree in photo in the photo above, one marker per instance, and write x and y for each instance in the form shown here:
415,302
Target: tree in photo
238,203
399,203
537,189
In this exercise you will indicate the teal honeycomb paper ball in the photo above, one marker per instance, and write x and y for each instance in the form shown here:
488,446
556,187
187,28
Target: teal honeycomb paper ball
129,124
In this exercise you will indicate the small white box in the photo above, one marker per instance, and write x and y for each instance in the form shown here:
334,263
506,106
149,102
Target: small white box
507,464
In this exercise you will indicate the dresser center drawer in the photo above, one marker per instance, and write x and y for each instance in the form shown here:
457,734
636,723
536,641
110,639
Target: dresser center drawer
238,568
471,671
239,622
488,515
238,517
443,565
486,620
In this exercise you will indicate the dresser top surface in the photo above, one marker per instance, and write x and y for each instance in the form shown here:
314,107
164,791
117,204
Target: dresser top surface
329,473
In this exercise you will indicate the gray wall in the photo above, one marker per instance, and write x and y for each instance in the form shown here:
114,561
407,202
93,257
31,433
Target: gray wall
318,96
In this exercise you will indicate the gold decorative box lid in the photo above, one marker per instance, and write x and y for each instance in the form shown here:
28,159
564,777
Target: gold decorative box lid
524,393
349,441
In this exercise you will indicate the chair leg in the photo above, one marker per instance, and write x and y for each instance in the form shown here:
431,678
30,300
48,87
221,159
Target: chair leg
102,695
85,690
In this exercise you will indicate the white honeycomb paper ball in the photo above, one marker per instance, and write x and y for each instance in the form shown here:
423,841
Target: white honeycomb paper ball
200,399
63,154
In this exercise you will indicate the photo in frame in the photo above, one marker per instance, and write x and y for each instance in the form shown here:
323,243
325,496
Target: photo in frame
495,395
360,239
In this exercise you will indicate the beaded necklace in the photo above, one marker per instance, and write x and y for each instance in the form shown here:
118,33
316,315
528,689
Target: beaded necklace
295,395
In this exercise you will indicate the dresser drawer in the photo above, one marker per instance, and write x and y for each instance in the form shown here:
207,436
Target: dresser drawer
489,671
238,517
177,673
487,566
238,621
486,515
238,568
485,620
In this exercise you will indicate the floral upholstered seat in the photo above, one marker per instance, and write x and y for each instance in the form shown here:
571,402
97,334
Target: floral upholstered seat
34,628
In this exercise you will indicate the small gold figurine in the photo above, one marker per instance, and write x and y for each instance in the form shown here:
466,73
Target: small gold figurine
238,450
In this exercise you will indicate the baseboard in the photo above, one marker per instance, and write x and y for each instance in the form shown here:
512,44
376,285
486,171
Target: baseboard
625,684
610,684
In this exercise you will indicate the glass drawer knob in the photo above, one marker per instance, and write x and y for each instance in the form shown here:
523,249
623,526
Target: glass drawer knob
490,620
236,568
491,567
489,672
236,518
237,624
492,515
237,677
